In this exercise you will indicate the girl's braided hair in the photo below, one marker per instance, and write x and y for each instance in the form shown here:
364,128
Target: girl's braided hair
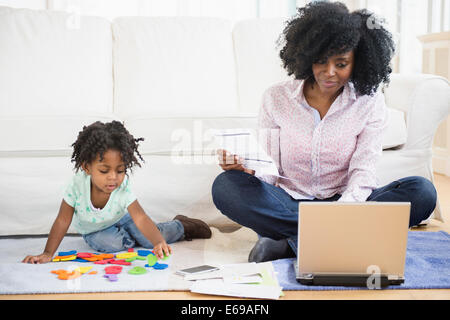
98,137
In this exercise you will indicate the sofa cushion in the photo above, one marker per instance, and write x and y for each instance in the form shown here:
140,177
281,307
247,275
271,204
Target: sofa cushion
424,98
255,45
395,133
163,187
53,135
51,66
174,67
32,191
186,135
168,185
257,62
182,135
42,135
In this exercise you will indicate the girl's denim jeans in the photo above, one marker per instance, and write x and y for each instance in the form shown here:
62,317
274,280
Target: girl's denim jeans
271,212
125,234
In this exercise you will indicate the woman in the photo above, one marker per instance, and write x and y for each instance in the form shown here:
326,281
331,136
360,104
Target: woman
323,130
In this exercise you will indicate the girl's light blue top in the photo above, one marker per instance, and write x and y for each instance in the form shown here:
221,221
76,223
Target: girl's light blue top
86,217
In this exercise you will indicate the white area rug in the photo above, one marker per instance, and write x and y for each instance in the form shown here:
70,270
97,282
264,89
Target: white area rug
20,278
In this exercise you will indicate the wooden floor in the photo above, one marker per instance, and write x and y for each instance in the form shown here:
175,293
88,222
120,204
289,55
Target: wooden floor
442,184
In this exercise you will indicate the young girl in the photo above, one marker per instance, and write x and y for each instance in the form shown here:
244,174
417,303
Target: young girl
99,198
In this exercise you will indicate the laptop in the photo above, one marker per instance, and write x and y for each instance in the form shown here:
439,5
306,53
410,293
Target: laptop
352,243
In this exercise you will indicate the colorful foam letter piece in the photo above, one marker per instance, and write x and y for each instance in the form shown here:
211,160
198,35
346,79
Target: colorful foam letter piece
84,255
130,259
144,253
68,258
106,261
160,266
120,262
152,259
93,258
58,271
102,256
113,270
111,277
67,253
126,255
83,270
66,275
137,270
64,258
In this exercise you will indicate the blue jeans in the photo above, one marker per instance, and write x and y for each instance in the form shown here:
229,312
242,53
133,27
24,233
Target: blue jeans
125,234
271,212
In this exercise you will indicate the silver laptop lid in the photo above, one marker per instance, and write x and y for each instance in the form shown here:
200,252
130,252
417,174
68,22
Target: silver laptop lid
352,238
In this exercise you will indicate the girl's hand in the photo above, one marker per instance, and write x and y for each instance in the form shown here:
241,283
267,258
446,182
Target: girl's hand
42,258
162,249
229,161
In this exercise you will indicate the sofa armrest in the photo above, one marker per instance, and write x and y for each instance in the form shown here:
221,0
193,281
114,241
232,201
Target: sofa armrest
425,99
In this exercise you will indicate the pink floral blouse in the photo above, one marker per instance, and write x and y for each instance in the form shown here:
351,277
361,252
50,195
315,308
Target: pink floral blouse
323,157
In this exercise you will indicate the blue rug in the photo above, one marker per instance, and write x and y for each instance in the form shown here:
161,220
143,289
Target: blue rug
427,265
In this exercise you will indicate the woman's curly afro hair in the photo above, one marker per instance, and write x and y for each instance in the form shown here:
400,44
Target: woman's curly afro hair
323,29
99,137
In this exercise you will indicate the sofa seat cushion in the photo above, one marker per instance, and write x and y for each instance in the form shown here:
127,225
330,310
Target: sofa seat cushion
32,191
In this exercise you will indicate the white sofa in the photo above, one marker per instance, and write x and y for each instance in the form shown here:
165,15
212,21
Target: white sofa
170,80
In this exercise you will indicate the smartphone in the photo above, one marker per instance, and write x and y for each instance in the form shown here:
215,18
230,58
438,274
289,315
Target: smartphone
196,270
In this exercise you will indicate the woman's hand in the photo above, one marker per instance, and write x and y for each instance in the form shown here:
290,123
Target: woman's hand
42,258
228,161
162,249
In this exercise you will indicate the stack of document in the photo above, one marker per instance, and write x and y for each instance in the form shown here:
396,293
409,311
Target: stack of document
247,144
247,280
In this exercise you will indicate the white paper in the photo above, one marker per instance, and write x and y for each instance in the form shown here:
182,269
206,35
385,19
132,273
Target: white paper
219,287
228,270
257,280
240,269
244,143
202,276
243,279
